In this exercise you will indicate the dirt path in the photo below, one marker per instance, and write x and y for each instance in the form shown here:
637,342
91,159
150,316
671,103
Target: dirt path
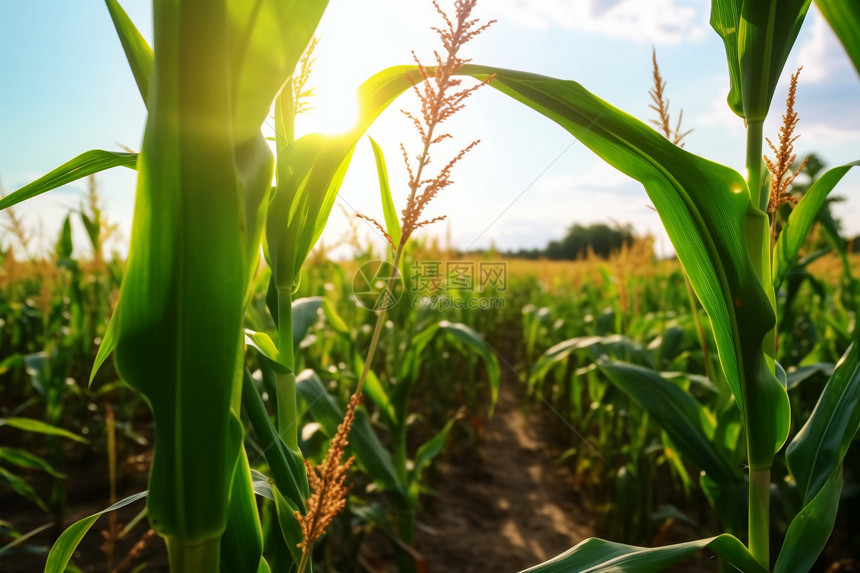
511,508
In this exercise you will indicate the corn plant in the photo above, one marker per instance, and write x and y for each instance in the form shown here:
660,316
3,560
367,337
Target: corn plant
719,225
204,198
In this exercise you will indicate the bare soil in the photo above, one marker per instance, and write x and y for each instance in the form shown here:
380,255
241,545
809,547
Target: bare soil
510,506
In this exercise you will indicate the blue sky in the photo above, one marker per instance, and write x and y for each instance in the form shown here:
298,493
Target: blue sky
65,88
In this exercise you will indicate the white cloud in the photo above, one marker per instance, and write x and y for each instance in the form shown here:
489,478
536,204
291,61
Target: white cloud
824,134
820,54
643,21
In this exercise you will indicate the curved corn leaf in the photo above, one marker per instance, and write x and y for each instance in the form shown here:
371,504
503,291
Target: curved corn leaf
800,221
137,50
310,171
288,469
286,509
819,447
706,211
389,211
84,164
462,334
725,20
106,348
758,37
65,546
844,17
425,454
31,425
810,529
766,33
242,542
800,375
596,555
369,452
22,538
266,40
558,353
681,417
265,346
262,485
474,342
24,459
21,487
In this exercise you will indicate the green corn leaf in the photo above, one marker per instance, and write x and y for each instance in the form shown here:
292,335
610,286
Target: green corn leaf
844,17
476,343
458,333
21,487
22,538
267,38
766,33
263,344
310,171
31,425
725,20
810,529
286,465
137,50
374,390
800,375
78,168
93,228
681,417
800,221
305,314
262,485
373,387
369,452
25,459
392,221
557,354
706,211
106,348
425,454
63,549
242,542
291,530
188,256
819,447
64,246
596,555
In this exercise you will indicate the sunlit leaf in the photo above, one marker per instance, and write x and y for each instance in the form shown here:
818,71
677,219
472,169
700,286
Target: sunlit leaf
820,446
67,544
802,218
596,555
78,168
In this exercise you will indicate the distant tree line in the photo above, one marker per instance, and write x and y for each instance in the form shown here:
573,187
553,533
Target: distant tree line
600,239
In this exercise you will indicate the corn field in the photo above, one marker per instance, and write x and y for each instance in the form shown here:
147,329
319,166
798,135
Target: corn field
224,393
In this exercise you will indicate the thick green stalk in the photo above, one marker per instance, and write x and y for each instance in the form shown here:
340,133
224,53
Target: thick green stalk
286,382
759,526
196,558
755,137
759,248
